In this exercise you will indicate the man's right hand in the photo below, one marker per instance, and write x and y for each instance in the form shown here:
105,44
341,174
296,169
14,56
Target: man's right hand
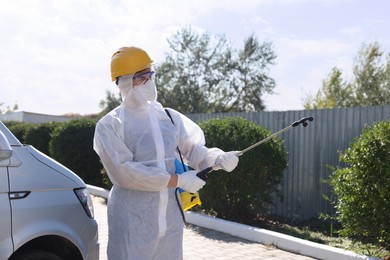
190,182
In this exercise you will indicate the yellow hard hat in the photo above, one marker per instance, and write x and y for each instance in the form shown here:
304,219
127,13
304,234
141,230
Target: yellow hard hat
129,60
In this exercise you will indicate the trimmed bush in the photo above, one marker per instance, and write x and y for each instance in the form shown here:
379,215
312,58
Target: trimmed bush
247,191
106,182
18,129
39,135
363,187
72,145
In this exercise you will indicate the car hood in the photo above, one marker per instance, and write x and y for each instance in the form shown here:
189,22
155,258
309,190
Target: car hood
58,167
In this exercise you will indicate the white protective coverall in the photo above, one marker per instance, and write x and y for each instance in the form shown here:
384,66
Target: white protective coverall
137,146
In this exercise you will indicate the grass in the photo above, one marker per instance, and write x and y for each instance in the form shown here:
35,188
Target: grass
316,230
321,232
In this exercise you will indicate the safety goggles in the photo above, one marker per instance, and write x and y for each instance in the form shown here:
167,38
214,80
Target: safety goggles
142,77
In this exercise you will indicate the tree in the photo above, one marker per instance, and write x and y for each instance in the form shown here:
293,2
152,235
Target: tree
202,73
371,77
196,65
8,110
109,103
334,93
369,86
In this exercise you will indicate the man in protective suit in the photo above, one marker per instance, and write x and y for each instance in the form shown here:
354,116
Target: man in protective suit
137,144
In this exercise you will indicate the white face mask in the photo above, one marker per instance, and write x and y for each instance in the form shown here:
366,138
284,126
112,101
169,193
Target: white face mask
145,92
125,84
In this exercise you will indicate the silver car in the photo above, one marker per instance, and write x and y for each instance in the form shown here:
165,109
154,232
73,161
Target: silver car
46,212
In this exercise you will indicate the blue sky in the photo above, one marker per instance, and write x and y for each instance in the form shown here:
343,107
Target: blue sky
55,55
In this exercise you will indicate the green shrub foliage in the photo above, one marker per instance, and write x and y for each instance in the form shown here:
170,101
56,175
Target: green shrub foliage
18,129
362,188
247,191
72,145
35,134
39,135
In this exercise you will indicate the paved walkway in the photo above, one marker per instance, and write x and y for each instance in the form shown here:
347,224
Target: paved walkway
201,243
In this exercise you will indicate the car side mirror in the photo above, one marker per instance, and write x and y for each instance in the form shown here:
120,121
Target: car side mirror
5,148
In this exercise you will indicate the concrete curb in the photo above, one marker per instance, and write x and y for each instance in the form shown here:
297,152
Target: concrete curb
267,237
97,191
263,236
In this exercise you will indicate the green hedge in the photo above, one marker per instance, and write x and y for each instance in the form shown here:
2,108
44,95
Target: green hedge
247,191
72,145
363,187
18,129
239,195
40,135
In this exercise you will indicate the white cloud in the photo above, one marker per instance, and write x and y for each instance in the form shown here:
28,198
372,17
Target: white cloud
318,47
352,31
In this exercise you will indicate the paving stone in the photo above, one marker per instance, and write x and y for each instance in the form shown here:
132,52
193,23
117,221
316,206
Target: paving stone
201,243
